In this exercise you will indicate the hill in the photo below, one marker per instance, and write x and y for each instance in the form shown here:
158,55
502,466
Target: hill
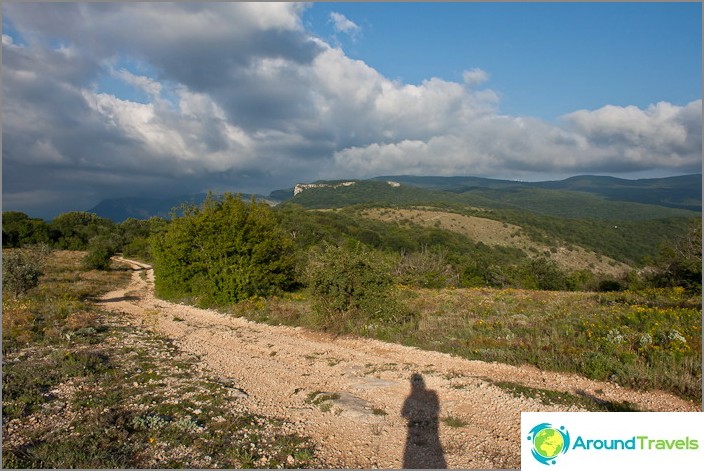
683,192
590,197
598,198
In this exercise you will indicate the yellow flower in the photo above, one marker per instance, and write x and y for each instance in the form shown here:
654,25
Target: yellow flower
152,440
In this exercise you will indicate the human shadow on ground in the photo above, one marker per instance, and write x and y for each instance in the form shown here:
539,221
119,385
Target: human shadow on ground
421,409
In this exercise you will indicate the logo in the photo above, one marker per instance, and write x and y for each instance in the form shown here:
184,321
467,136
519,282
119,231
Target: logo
548,442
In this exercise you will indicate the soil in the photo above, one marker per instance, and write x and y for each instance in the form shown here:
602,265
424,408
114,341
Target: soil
366,403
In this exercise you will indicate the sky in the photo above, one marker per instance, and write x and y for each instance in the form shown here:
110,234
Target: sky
104,100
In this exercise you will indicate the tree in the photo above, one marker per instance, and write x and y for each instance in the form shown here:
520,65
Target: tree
225,251
75,229
134,236
18,229
680,261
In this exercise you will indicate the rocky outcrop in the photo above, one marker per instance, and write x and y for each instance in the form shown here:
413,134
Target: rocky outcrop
305,186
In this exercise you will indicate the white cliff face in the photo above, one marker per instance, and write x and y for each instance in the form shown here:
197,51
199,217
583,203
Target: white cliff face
304,186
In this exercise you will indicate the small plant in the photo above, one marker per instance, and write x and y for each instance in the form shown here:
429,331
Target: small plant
322,400
455,422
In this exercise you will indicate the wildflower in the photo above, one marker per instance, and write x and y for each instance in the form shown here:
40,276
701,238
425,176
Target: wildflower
645,340
614,336
675,336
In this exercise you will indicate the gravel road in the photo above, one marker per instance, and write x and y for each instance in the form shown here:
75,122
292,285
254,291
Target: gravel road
366,403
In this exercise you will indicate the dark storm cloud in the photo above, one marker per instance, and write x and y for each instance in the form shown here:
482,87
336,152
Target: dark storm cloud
241,97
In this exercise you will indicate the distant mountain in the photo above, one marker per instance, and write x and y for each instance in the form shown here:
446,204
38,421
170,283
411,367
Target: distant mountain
582,197
683,192
588,197
119,209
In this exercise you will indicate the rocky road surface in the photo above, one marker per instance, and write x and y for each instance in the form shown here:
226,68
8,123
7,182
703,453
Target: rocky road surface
366,403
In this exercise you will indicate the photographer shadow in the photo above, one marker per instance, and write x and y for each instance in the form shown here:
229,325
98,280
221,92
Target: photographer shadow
421,409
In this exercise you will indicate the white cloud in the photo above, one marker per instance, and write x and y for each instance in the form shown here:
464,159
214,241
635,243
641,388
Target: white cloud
275,106
8,41
342,24
474,77
148,85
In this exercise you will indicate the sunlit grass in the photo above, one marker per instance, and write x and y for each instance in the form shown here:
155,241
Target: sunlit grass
646,339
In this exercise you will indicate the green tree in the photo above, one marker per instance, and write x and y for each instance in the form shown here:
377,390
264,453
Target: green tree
75,229
18,229
225,251
135,233
680,261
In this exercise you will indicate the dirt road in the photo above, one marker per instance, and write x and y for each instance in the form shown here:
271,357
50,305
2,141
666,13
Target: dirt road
367,403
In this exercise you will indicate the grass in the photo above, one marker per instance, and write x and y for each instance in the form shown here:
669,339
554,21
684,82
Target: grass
548,397
648,339
318,397
493,232
84,389
454,422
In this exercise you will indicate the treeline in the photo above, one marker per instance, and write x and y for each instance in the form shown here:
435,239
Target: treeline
77,230
228,249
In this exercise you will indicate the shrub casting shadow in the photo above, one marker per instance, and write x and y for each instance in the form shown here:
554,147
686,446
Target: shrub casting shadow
422,409
117,300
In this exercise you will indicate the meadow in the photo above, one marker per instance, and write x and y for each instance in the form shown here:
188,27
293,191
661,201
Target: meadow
646,339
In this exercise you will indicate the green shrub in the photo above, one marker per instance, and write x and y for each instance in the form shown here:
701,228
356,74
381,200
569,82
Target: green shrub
679,262
425,269
21,269
351,286
100,250
224,252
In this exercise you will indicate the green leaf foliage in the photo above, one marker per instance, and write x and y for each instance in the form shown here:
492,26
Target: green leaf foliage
21,269
75,229
225,251
352,285
100,250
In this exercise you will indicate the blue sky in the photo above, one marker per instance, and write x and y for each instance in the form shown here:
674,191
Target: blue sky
546,59
147,99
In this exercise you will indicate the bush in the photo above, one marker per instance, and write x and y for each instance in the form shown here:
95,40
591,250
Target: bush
425,269
351,285
610,285
21,269
224,252
100,251
540,273
679,262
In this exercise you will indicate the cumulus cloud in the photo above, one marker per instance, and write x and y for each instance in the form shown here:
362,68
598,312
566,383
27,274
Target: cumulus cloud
240,97
474,77
342,24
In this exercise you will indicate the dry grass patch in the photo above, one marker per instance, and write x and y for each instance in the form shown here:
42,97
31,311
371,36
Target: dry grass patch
496,233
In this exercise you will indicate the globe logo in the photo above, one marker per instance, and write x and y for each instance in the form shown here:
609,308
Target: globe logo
548,442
